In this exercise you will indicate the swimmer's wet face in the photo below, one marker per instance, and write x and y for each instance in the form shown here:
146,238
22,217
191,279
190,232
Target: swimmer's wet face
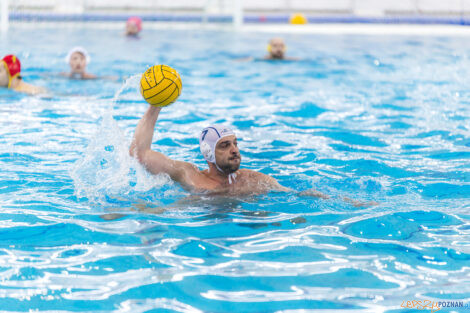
278,47
77,63
132,28
4,78
227,154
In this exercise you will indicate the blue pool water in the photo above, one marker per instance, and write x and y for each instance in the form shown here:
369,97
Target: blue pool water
83,228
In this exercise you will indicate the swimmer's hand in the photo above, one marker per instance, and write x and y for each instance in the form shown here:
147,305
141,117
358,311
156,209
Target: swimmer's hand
359,204
355,203
313,193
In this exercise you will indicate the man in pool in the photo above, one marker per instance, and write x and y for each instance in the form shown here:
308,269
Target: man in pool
276,51
218,145
10,76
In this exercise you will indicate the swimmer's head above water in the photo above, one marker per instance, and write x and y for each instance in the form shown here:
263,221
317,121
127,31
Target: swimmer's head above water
10,76
133,26
219,147
77,58
10,70
277,49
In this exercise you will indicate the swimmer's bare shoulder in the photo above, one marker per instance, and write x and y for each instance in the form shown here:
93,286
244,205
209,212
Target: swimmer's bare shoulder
261,180
268,183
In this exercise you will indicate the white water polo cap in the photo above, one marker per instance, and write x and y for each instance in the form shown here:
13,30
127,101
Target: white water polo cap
209,138
80,50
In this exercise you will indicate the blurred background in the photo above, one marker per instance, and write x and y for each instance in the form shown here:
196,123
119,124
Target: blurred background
241,11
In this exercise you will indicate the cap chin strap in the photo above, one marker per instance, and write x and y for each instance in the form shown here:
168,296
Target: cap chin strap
10,79
231,176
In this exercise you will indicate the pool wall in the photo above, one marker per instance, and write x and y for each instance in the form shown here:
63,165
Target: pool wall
252,18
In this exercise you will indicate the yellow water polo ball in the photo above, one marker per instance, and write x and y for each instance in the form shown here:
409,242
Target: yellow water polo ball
160,85
298,19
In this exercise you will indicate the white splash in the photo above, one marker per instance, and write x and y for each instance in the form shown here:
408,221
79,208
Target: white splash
106,168
132,81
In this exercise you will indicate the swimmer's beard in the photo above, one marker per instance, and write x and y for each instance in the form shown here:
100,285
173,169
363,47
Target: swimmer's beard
229,168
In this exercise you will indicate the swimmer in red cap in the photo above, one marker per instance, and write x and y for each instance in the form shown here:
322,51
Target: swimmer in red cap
133,26
10,76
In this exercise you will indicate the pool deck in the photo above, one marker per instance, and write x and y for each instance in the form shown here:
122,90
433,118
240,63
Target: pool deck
369,29
321,28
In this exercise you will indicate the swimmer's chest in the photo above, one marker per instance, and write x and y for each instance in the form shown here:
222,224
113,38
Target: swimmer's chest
245,184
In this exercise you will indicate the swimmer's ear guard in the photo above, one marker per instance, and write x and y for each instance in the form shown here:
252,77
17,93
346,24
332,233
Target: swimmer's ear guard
269,48
209,138
206,151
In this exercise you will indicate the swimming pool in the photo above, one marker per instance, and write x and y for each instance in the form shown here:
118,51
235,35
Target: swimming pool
382,118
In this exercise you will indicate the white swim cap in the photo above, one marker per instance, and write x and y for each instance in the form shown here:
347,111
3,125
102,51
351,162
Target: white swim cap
209,138
80,50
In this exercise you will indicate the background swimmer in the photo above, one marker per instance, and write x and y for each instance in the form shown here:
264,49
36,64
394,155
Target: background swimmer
10,76
133,26
276,51
78,59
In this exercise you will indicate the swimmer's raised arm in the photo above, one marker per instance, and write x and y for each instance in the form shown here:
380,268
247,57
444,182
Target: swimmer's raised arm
156,162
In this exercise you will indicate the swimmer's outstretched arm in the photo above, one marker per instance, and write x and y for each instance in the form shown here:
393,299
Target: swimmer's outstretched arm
156,162
275,186
317,194
245,59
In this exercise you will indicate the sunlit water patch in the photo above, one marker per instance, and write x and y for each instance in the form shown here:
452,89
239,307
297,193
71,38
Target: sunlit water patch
84,227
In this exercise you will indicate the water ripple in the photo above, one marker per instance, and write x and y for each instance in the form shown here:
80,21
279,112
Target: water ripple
85,228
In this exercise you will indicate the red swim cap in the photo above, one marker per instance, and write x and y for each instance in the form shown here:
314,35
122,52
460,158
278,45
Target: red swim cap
13,65
135,20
